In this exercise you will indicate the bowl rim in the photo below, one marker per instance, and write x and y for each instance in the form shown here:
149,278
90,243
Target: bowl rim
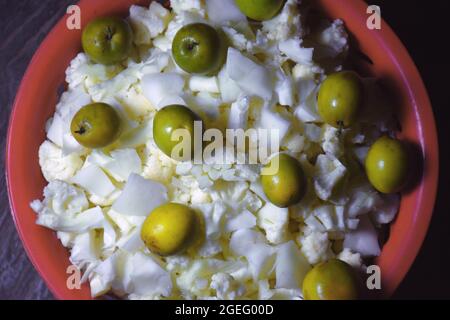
428,136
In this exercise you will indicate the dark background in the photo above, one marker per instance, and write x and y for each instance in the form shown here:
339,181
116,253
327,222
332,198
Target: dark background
421,25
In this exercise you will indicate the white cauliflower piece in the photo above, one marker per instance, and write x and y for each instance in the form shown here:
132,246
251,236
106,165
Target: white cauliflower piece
294,142
331,217
333,40
61,198
244,220
95,181
85,74
284,89
252,245
123,163
84,250
238,116
226,287
158,166
213,215
55,165
265,293
134,102
203,84
363,199
148,278
352,258
291,266
229,89
180,6
140,196
248,75
386,211
148,23
303,71
223,11
294,50
332,142
102,276
315,246
274,221
238,40
328,172
363,240
158,87
284,25
275,123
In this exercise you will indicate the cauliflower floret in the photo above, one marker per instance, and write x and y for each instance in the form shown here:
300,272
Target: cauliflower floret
333,40
328,172
148,278
294,142
64,209
274,221
158,166
223,11
294,50
252,245
226,287
332,142
315,246
134,102
148,23
238,40
191,279
285,24
291,266
177,262
238,116
61,198
213,216
303,71
352,258
82,73
84,252
195,6
56,166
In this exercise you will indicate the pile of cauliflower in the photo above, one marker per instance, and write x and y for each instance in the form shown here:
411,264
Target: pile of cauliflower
96,200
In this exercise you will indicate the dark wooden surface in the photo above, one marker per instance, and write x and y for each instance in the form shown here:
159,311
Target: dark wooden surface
420,24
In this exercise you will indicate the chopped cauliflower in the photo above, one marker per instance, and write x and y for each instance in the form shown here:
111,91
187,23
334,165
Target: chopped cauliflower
82,72
180,6
329,171
352,258
55,165
158,166
148,23
274,221
334,40
226,287
332,141
315,246
284,25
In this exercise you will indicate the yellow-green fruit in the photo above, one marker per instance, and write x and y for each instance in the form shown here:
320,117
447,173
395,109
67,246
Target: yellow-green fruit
170,229
340,98
287,185
387,165
96,125
260,10
199,48
331,280
166,122
107,40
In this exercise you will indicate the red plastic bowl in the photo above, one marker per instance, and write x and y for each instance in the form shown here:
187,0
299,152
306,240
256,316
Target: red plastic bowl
37,97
